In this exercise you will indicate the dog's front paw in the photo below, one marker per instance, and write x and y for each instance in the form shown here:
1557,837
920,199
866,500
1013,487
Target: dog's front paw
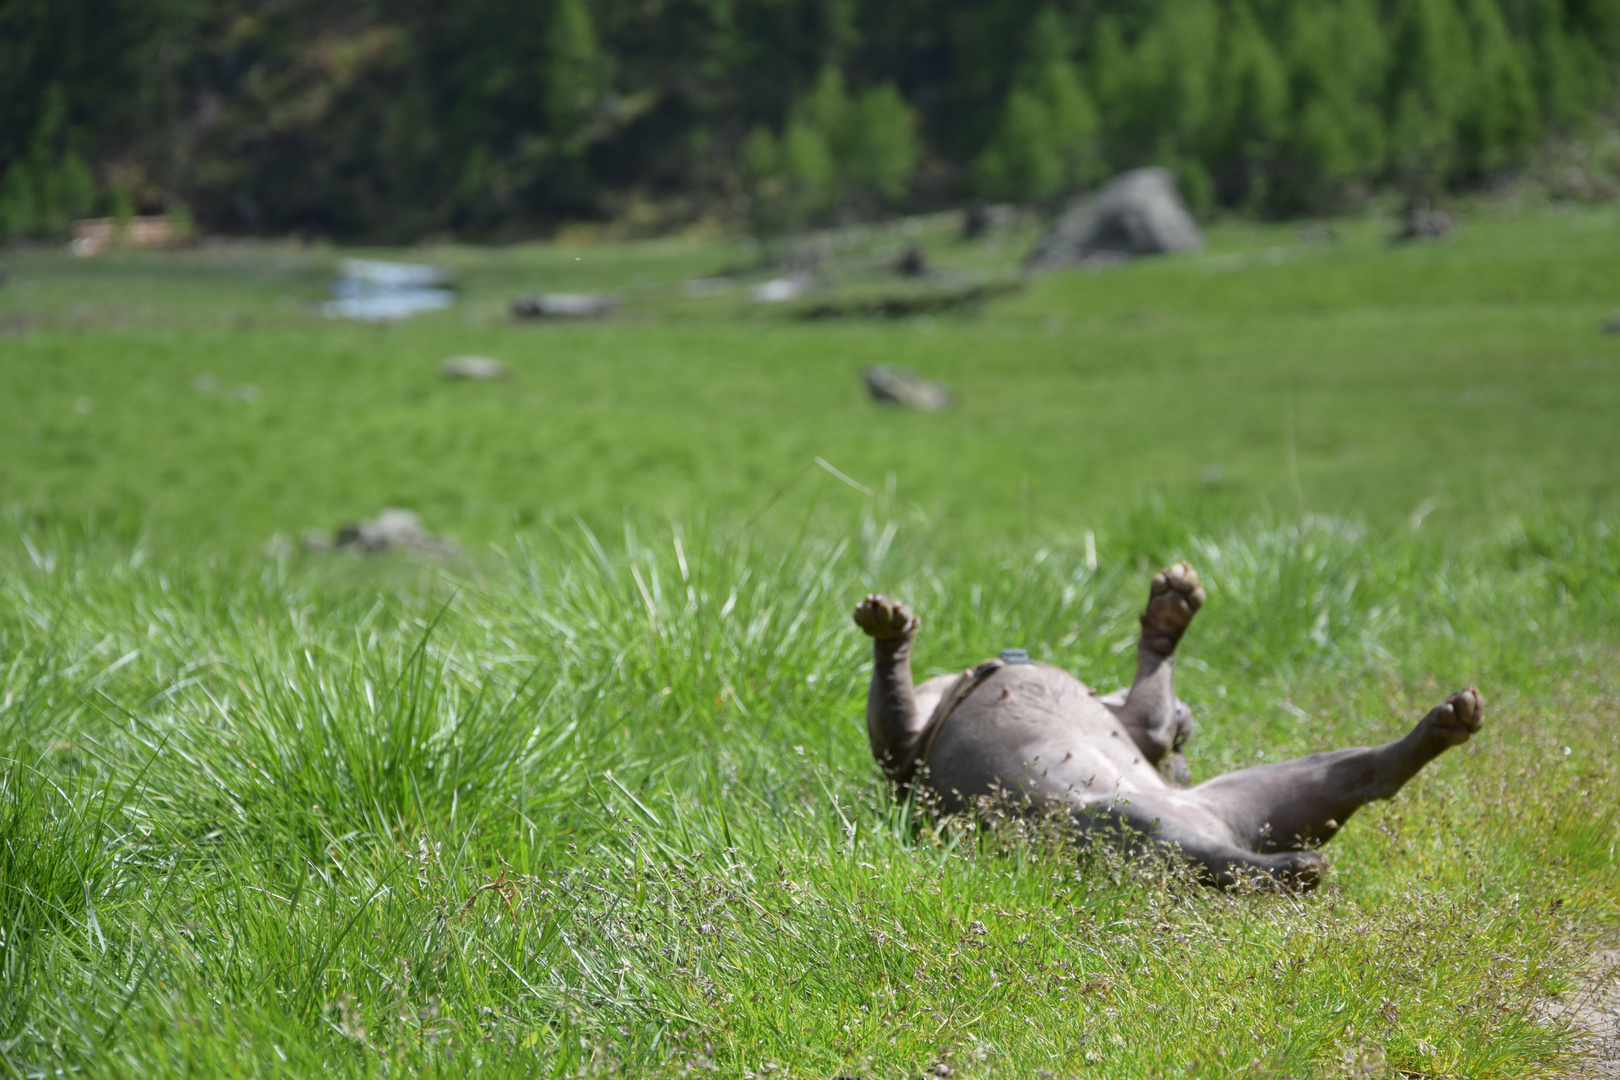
885,618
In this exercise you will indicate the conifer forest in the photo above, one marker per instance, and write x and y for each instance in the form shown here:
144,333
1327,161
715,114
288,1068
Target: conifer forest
491,118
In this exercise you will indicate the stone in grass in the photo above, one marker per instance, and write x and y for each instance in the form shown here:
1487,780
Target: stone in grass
1612,325
902,386
912,263
1136,213
565,306
476,368
1423,223
391,530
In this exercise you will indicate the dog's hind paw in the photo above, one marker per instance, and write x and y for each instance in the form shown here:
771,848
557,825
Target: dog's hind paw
885,618
1457,718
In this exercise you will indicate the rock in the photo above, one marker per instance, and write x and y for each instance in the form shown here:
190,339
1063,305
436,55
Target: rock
477,368
391,530
92,236
1612,325
902,386
709,286
315,541
1423,223
780,290
562,305
975,221
912,263
980,219
1136,213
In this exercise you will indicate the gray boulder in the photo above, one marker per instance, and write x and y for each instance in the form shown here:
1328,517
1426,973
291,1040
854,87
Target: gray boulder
565,306
391,530
1423,223
1136,213
476,368
902,386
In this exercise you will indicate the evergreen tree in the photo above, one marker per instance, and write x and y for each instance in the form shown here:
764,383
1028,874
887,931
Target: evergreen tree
1251,111
1155,95
43,191
1110,80
1566,68
1431,74
864,147
1022,161
1498,121
68,191
811,171
880,145
19,210
1046,138
787,181
826,109
1337,59
572,73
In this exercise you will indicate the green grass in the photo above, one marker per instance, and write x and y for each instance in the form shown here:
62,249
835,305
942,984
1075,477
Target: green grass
597,799
1471,373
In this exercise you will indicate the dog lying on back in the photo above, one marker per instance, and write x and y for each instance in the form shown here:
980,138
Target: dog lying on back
1035,733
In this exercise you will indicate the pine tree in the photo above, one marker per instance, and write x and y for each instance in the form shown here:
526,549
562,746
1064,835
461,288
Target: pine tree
1022,161
1046,137
1431,74
789,180
1110,83
1337,59
1251,111
811,171
1566,67
879,144
836,147
826,109
572,73
1156,94
1498,121
19,209
72,190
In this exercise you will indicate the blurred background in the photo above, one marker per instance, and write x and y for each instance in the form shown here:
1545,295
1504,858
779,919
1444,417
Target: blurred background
491,119
252,245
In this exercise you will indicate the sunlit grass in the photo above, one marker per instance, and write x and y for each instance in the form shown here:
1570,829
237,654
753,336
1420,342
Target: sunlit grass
608,807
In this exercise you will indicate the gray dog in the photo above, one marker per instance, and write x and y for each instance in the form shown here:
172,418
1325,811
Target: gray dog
1034,734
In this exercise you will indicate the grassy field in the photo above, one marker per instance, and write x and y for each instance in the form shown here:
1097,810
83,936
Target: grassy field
596,797
1471,373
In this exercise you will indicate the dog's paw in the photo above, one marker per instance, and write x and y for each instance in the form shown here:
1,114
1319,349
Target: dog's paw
1173,599
885,618
1456,719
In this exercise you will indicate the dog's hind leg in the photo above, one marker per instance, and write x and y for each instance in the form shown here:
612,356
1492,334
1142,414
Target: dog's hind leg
1151,713
1203,841
1301,803
894,724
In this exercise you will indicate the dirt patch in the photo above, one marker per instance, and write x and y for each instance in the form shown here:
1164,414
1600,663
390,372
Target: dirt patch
1592,1011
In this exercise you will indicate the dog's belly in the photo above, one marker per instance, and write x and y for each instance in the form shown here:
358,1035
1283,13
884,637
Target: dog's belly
1035,731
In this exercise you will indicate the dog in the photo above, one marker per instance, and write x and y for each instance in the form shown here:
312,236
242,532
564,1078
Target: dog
1036,737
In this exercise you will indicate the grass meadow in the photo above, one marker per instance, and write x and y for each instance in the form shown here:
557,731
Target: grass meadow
595,798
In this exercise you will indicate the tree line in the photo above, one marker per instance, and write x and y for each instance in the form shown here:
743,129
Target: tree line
489,118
